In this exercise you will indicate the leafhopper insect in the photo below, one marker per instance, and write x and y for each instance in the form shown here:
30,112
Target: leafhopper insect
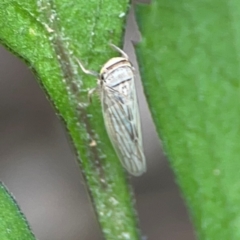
120,110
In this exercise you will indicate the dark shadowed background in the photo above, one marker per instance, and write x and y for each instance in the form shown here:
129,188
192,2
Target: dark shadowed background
38,165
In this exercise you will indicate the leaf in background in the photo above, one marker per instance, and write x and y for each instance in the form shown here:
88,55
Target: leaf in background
190,65
13,224
49,35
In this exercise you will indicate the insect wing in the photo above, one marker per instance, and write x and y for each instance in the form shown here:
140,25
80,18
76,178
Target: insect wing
121,115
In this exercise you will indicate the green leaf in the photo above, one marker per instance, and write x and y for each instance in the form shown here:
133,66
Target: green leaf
49,36
13,224
190,66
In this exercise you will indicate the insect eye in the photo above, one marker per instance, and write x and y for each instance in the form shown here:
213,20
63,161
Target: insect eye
101,77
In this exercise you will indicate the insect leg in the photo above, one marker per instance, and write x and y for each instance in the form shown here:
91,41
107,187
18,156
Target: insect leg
119,50
89,72
90,93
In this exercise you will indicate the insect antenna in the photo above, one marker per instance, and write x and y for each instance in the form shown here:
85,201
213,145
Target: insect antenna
119,50
89,72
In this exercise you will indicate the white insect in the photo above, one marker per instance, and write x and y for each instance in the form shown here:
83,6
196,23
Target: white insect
120,111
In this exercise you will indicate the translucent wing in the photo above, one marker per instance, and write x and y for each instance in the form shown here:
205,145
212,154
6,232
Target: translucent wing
121,115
